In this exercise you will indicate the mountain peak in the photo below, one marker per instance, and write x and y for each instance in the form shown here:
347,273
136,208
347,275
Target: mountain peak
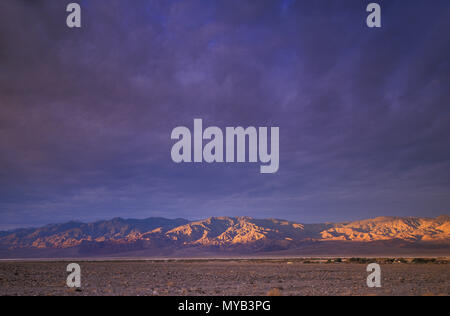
222,233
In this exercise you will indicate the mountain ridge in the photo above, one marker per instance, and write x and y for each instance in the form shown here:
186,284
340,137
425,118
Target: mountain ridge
160,236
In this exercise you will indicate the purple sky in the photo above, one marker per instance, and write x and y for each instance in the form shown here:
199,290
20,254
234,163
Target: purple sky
86,115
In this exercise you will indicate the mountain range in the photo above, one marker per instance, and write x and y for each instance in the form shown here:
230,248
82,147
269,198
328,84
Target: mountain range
229,236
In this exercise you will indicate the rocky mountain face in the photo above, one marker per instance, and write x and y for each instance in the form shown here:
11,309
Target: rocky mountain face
159,236
389,228
74,234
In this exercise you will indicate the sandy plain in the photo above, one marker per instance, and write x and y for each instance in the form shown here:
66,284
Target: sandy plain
253,277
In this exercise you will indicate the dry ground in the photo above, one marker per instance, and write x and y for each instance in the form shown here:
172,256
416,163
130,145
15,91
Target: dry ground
219,277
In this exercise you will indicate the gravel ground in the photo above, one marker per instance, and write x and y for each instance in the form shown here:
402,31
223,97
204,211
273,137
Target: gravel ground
212,278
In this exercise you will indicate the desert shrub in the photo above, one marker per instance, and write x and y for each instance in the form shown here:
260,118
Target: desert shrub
359,260
274,292
423,260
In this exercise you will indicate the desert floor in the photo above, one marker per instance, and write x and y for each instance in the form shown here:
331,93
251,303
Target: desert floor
222,277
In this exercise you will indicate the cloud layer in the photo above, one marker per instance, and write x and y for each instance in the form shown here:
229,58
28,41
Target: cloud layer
86,115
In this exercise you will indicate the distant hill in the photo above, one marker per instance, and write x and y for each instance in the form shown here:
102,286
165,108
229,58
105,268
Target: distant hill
228,236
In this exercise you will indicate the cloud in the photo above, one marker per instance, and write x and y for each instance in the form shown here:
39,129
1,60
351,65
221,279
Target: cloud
86,115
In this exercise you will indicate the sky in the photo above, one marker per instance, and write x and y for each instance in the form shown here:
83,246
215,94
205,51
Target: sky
86,114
